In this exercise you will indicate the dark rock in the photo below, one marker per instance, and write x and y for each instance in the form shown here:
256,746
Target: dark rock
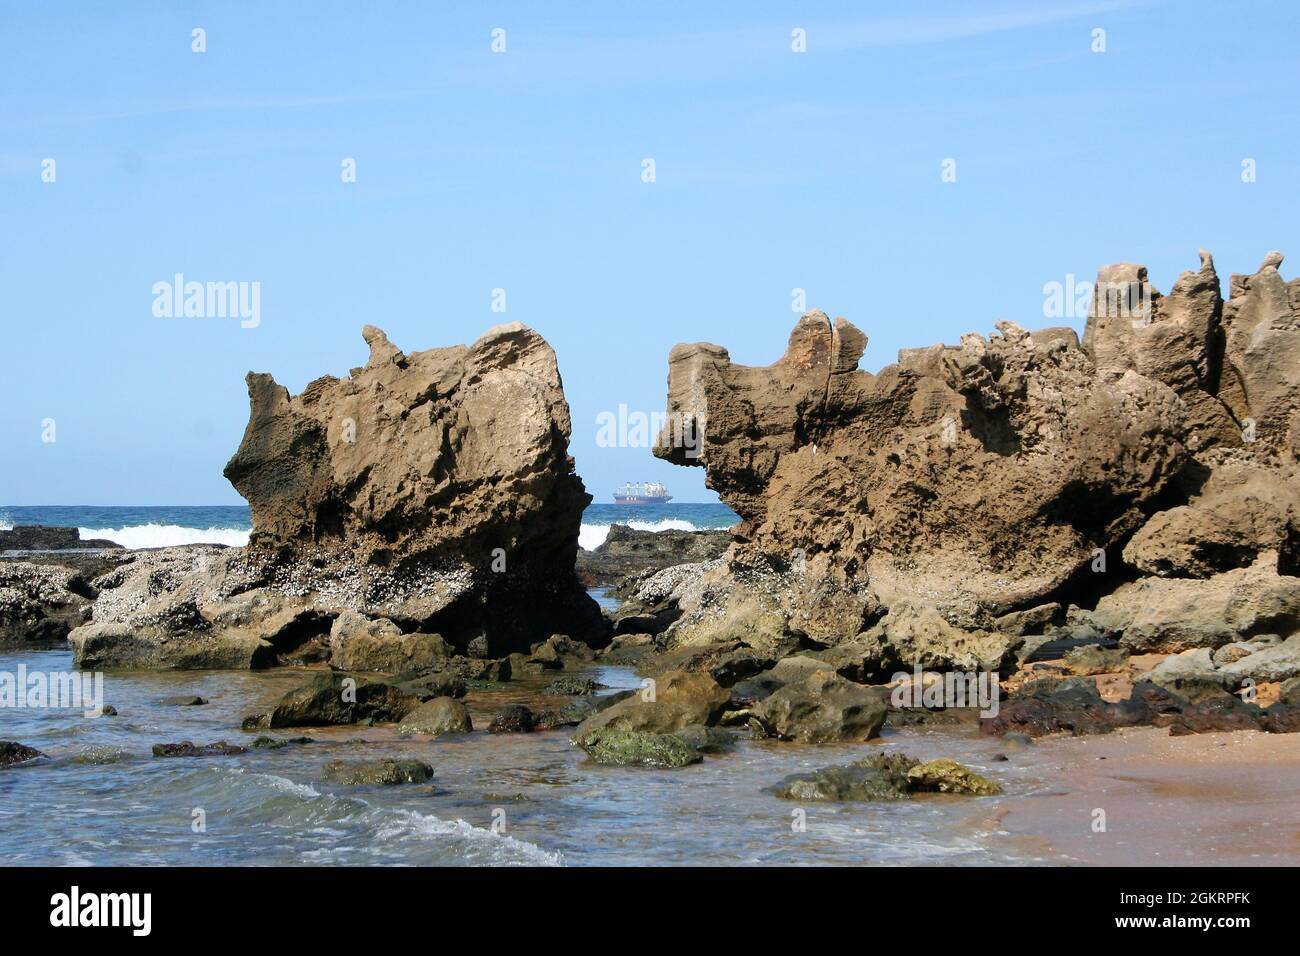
513,719
183,700
572,687
335,699
706,740
13,753
187,749
37,537
627,551
878,777
274,743
386,772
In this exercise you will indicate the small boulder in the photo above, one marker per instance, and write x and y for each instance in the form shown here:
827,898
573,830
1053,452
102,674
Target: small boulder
513,719
878,777
386,772
572,687
675,700
822,707
442,715
616,747
331,699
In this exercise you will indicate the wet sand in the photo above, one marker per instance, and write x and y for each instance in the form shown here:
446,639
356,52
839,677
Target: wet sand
1208,799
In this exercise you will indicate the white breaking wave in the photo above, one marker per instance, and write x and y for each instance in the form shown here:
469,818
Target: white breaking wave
592,536
166,535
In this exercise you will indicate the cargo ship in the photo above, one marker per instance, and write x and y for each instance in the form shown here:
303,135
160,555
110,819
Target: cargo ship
642,493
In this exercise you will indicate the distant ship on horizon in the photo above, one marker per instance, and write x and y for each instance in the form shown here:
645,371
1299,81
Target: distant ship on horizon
642,493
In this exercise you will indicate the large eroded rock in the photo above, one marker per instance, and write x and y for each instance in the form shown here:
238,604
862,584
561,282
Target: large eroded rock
930,511
431,492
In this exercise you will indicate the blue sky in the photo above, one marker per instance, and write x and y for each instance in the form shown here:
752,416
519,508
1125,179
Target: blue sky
522,170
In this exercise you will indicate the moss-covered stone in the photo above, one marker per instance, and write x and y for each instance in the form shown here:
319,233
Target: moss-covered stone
878,777
386,772
948,776
635,748
886,776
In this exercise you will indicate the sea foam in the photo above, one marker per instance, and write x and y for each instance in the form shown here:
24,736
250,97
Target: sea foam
166,535
592,536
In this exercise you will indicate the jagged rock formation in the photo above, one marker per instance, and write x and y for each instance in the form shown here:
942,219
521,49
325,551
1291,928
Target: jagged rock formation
39,603
431,492
942,509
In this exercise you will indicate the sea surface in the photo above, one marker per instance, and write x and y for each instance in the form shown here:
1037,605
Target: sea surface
167,526
101,798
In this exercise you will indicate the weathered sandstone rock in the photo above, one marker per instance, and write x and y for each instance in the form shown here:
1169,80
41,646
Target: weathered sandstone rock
946,510
425,497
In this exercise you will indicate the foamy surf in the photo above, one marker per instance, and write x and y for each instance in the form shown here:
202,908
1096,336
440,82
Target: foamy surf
167,536
592,536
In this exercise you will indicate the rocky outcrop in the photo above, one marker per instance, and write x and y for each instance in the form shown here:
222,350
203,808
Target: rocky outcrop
427,500
948,510
37,537
627,551
41,603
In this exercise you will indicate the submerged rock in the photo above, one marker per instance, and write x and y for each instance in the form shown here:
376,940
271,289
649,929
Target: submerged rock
183,700
13,753
888,776
878,777
948,776
279,743
100,755
187,749
617,747
572,687
373,773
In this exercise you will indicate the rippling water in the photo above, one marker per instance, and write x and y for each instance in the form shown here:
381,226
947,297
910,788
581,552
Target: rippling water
269,807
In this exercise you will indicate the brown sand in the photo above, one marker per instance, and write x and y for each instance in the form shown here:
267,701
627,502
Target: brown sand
1207,799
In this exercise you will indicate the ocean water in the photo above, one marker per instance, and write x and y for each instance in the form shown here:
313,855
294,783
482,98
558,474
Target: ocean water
101,798
167,526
